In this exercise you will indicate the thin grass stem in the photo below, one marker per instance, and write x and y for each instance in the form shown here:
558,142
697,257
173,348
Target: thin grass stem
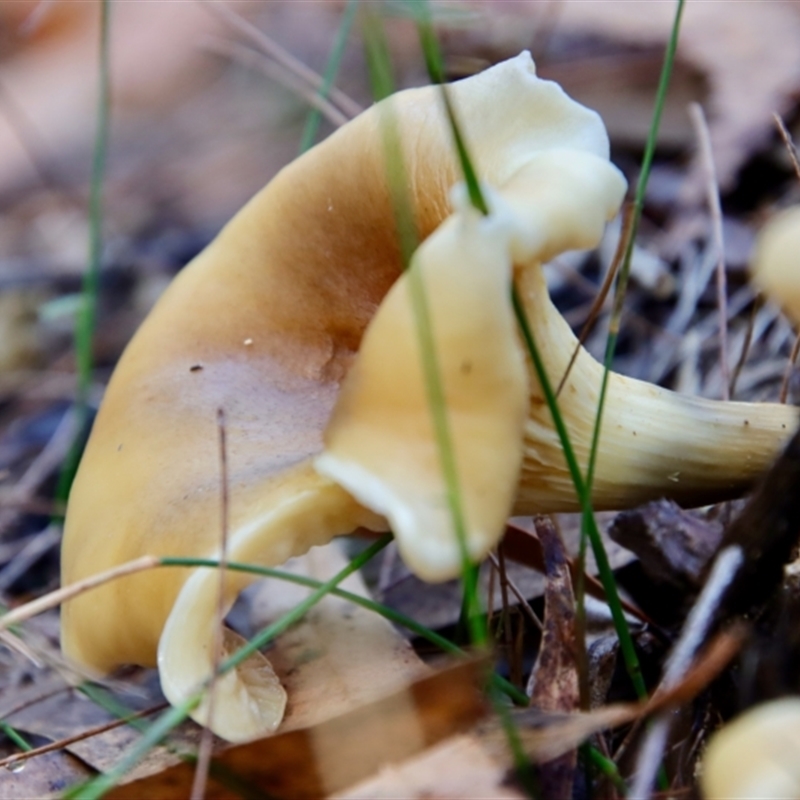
329,76
15,736
388,613
589,526
168,721
87,315
380,70
608,768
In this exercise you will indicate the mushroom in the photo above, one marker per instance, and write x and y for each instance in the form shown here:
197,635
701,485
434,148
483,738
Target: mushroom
775,261
297,320
755,757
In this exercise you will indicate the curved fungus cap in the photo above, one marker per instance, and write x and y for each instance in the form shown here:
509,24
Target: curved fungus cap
297,321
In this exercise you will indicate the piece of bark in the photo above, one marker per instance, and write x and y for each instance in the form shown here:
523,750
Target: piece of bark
553,684
674,546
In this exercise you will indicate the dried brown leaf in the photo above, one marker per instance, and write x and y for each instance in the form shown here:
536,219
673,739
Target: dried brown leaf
332,755
457,767
340,655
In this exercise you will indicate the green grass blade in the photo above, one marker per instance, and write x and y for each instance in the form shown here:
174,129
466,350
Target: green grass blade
435,66
388,613
522,764
97,787
380,71
329,76
87,315
301,609
608,768
433,59
14,735
619,297
621,283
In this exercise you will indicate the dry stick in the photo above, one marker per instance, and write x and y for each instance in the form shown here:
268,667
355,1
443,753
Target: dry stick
33,22
792,151
271,48
748,341
520,597
712,193
53,599
242,54
506,616
608,282
13,642
207,739
19,758
7,712
41,467
787,140
787,375
724,570
385,574
28,136
39,506
34,549
490,591
575,277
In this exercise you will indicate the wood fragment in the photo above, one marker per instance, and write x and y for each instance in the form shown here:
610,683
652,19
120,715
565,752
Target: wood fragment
553,684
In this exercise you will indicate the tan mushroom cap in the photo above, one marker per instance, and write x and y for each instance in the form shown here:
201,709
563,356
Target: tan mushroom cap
264,323
267,323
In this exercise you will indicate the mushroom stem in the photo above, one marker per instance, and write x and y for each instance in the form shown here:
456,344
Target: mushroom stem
653,442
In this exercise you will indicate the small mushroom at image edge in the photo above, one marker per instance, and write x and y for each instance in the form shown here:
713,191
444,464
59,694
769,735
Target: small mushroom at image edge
756,756
776,261
328,424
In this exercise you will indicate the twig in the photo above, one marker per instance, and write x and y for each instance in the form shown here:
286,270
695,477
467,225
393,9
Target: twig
45,463
787,375
35,548
21,705
27,134
787,140
207,738
53,599
712,192
33,22
520,597
241,53
283,57
18,758
748,341
12,641
608,281
500,563
388,561
723,572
